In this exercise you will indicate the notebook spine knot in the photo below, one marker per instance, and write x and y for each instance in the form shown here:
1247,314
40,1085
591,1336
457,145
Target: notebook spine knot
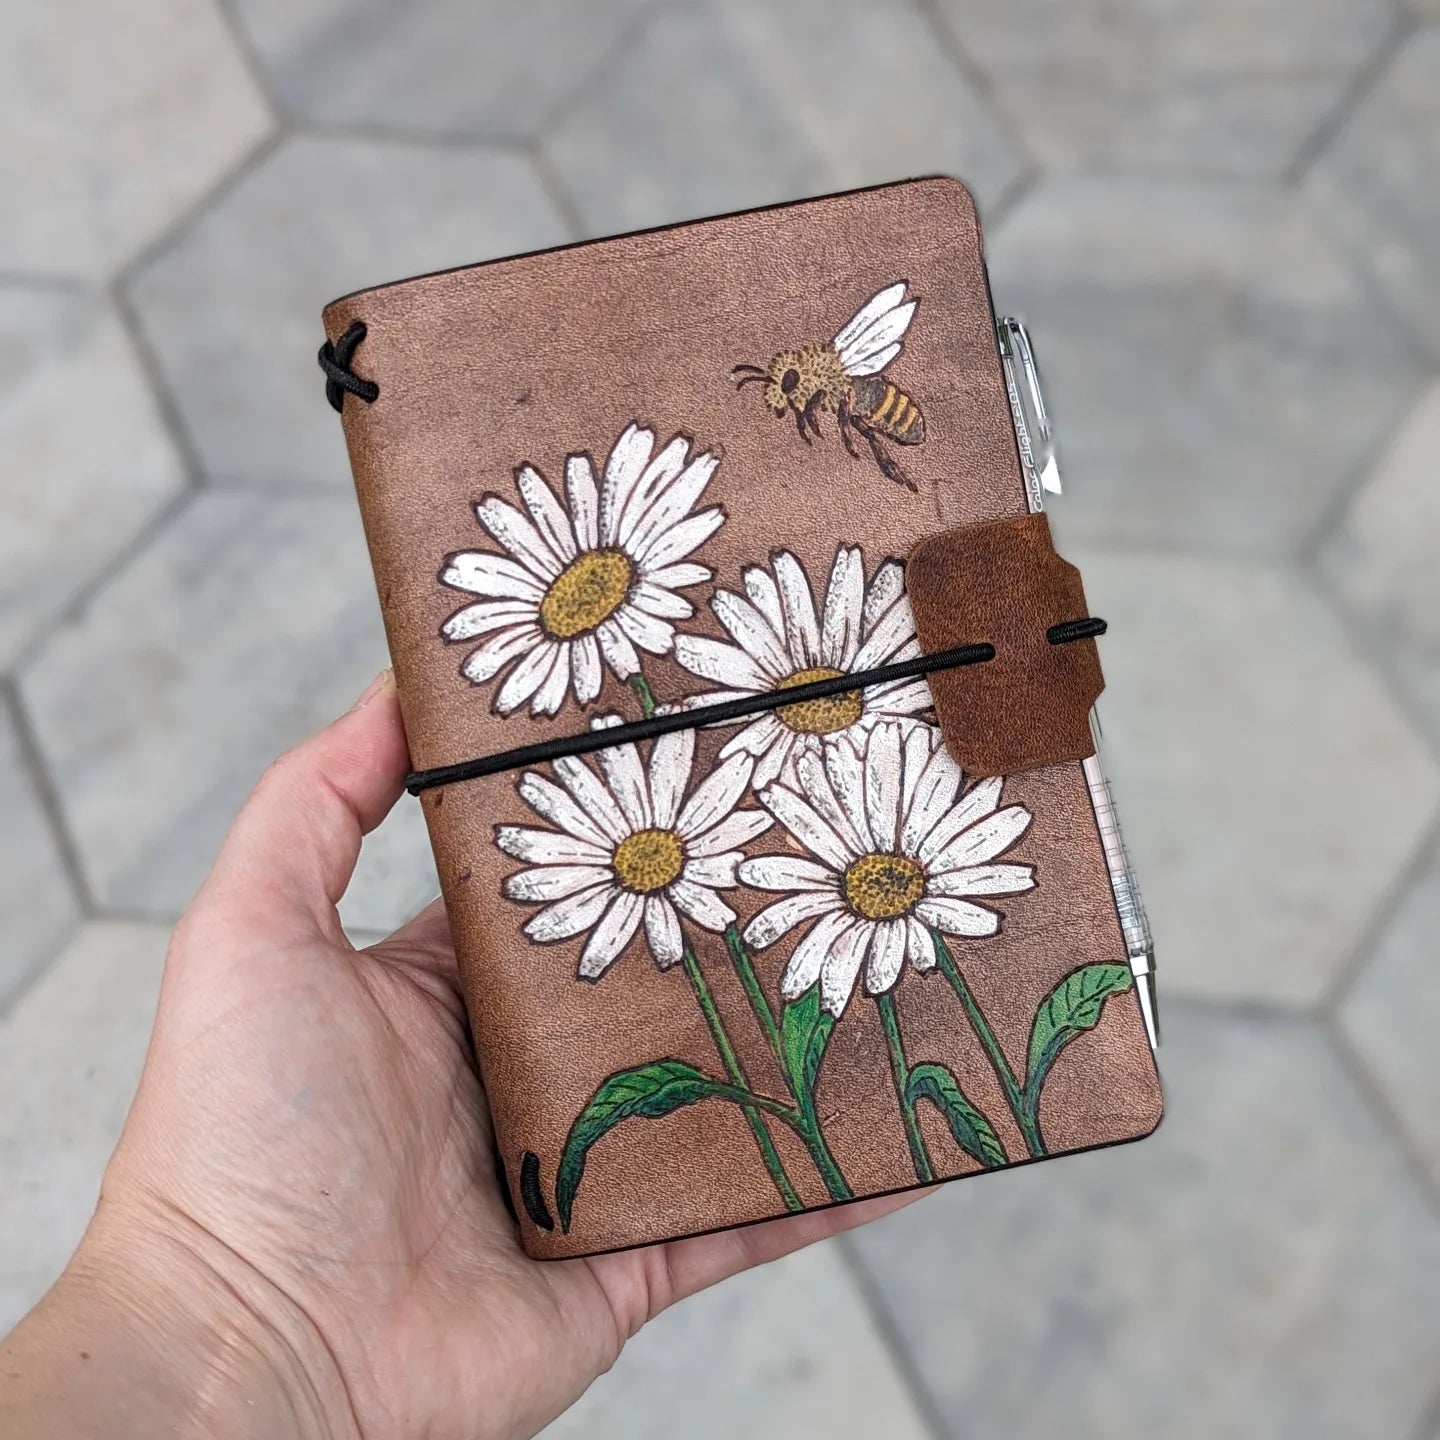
340,379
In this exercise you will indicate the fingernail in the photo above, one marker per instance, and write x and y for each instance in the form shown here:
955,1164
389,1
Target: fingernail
382,682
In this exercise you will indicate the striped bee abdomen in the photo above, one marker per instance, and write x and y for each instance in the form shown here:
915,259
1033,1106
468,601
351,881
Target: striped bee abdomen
887,409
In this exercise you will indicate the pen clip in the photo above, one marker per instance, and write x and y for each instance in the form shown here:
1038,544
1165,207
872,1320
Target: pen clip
1033,432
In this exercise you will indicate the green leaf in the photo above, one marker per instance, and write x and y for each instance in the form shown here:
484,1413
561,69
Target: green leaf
1070,1009
973,1133
804,1033
647,1093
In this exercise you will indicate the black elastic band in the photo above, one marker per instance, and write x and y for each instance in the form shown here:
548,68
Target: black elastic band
340,379
602,739
1068,630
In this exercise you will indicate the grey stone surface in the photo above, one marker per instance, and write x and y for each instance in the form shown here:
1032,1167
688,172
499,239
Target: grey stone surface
788,1350
72,495
1374,187
70,1054
1227,87
1263,1266
1384,560
37,904
721,107
116,120
1218,375
246,624
487,67
1270,788
318,218
1391,1014
395,876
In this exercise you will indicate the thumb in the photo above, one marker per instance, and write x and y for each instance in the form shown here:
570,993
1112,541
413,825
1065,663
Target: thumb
293,847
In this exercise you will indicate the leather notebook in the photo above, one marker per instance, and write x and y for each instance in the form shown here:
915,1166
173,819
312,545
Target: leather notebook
749,706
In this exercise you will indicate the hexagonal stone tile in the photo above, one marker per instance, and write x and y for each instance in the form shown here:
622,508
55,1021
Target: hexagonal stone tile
249,622
117,118
1234,87
73,493
233,309
813,1360
1270,788
1382,559
1374,187
36,900
1391,1014
722,107
487,68
395,876
1218,374
70,1054
1263,1266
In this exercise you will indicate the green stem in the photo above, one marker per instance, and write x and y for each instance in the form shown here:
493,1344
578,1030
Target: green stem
736,1074
809,1130
1029,1127
900,1070
641,686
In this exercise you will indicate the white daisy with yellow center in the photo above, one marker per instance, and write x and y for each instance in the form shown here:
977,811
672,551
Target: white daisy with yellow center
589,581
898,852
780,641
630,848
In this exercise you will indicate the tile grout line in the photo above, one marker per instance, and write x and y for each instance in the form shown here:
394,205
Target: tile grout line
895,1351
555,188
250,57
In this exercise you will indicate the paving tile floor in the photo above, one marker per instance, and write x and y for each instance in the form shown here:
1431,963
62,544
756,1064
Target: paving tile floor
1222,220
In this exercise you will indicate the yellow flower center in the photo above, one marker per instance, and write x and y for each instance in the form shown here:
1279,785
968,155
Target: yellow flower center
820,717
883,887
588,591
649,860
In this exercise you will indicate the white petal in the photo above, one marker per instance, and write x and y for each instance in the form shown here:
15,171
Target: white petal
935,793
545,847
646,631
548,799
551,694
882,786
527,677
772,763
657,477
765,596
568,917
625,775
592,796
716,871
614,932
715,797
487,660
842,966
754,634
548,513
662,930
846,769
517,533
894,630
900,697
887,955
681,539
918,945
756,736
888,582
784,915
620,655
555,882
817,789
810,954
585,660
482,573
980,800
788,872
670,763
844,598
802,630
957,917
983,841
678,577
703,906
802,820
671,506
654,600
584,501
730,834
983,880
622,473
721,663
487,615
918,747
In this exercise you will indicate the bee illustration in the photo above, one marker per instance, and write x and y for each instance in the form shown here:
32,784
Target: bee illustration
845,377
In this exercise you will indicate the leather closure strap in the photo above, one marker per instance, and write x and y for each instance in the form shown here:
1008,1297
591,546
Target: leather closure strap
1004,584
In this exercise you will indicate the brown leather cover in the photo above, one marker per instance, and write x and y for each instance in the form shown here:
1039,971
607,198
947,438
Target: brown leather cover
925,974
1003,583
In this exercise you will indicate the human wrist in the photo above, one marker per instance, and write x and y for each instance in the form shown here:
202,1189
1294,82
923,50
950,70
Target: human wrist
155,1330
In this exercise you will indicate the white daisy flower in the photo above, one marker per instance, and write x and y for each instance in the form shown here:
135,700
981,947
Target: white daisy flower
629,847
593,579
780,641
898,851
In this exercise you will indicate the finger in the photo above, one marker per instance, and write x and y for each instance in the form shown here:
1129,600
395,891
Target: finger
294,844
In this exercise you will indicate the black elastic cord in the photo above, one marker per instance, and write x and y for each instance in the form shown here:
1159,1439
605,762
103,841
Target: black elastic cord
340,379
603,738
1068,630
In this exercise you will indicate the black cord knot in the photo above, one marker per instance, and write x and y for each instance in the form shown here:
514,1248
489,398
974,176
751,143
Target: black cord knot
339,377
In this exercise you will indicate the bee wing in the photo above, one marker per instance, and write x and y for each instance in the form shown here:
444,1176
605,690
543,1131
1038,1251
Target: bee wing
873,336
